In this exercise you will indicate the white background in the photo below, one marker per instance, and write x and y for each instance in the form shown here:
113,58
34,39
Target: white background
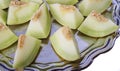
109,61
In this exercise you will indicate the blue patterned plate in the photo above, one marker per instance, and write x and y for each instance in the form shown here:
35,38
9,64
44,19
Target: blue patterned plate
47,60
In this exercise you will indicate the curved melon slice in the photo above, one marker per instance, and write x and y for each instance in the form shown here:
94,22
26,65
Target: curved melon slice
40,24
26,52
96,25
36,1
67,2
66,15
7,37
65,44
21,12
86,6
3,17
4,4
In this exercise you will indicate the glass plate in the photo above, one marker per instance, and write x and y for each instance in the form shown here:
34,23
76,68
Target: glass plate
47,60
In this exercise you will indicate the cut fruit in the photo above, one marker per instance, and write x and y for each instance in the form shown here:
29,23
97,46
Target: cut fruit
66,15
96,25
40,24
86,6
36,1
21,12
7,37
67,2
26,52
65,44
4,4
3,17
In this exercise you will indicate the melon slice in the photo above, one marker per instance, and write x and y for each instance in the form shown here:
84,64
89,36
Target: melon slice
21,12
4,4
26,51
86,6
96,25
40,23
65,45
7,37
36,1
3,17
67,2
66,15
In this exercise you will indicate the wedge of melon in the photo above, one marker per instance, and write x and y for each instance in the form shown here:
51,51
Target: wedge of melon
66,15
96,25
4,4
3,17
26,51
86,6
40,23
36,1
64,44
7,37
21,12
67,2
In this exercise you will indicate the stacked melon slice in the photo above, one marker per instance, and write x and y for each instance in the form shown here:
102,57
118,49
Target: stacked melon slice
96,25
66,15
7,37
40,23
64,44
27,50
21,12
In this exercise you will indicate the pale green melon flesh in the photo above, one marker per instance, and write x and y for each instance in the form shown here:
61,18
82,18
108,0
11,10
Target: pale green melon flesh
27,50
65,44
21,12
40,24
7,37
66,15
95,25
36,1
3,17
4,4
67,2
86,6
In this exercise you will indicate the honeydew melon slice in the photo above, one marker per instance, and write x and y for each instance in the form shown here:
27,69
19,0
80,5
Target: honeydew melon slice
21,12
40,23
26,51
3,17
4,4
66,15
65,44
86,6
36,1
96,25
67,2
7,37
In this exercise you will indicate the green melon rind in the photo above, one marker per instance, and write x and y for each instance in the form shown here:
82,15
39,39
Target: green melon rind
36,1
71,23
27,54
67,2
94,28
3,17
7,38
86,10
40,28
4,4
88,31
61,49
21,14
